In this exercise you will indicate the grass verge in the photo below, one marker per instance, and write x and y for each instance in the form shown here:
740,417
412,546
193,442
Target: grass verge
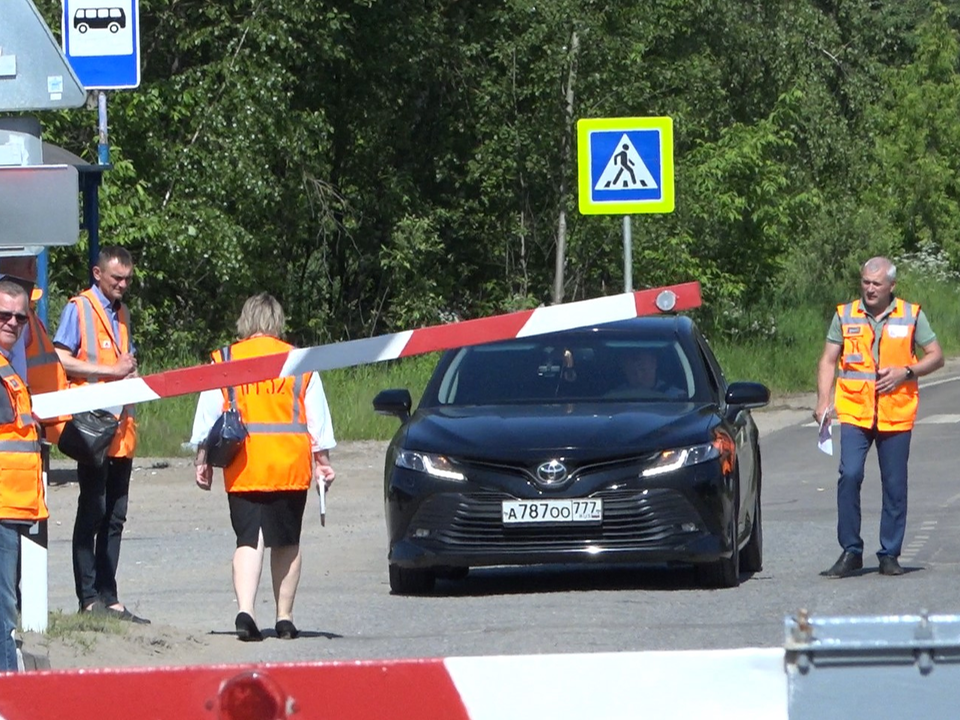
80,630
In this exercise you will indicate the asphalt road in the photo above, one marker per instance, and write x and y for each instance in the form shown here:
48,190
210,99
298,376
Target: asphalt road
176,566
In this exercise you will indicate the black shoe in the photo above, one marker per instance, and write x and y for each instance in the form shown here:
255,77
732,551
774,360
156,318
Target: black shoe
890,566
286,630
847,564
98,608
125,614
247,629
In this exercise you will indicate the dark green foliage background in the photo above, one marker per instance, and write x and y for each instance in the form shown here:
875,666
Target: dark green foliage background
383,164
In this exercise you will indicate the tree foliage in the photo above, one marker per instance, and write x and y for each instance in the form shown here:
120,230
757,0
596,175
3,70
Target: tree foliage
382,164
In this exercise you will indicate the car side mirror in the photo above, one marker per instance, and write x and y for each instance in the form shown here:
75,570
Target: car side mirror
396,402
747,394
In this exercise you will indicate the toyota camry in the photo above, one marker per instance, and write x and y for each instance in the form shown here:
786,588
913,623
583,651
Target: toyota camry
618,443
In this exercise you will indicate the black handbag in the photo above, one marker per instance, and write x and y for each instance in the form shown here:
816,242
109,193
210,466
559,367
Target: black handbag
228,432
86,437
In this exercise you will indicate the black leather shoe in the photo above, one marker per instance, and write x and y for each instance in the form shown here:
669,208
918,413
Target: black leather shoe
890,566
286,630
847,564
247,629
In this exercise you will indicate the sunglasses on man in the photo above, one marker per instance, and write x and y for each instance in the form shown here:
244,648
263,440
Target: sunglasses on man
6,317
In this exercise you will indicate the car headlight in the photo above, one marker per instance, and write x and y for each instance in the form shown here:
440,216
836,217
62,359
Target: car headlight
670,460
438,466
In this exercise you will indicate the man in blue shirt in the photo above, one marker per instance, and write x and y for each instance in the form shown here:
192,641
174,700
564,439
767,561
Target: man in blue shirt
94,345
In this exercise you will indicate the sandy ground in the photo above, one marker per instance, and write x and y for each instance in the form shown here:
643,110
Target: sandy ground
178,533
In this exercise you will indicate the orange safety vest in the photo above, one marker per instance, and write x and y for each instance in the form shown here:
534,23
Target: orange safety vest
44,372
21,474
856,399
277,454
99,346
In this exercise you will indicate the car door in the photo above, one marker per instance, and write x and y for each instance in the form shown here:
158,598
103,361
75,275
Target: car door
745,432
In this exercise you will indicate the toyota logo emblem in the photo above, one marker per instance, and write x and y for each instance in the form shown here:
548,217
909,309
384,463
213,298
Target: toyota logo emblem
552,472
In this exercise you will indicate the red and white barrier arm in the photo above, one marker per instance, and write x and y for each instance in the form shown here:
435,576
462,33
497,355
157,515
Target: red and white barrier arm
525,323
740,684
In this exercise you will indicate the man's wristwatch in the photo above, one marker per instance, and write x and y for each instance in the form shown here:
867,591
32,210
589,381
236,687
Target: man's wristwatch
910,373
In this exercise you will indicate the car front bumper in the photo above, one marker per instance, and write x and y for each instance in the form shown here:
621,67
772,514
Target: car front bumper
682,517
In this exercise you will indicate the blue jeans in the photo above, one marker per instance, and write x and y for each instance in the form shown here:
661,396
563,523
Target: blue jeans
9,559
893,452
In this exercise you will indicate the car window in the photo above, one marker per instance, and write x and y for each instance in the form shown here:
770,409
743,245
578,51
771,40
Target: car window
718,382
570,368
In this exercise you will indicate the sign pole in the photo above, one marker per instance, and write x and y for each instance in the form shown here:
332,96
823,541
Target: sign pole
103,148
627,255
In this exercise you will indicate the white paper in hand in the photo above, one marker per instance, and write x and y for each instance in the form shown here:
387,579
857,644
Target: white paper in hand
825,436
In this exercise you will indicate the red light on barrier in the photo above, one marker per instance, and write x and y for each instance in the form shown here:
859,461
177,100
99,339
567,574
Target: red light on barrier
254,696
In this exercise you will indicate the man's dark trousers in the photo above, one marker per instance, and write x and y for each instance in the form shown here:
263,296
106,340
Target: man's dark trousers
101,513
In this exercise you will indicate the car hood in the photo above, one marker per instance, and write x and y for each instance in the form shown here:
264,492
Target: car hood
583,431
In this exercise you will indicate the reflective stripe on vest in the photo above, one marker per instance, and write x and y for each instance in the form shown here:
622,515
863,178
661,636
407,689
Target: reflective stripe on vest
19,446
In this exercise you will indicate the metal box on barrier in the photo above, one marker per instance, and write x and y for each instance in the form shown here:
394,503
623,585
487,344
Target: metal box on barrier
893,666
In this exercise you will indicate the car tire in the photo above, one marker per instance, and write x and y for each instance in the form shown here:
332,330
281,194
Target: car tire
453,573
751,557
725,572
410,581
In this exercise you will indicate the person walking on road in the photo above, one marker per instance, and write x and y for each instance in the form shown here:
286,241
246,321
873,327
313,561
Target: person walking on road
287,450
870,353
22,497
95,345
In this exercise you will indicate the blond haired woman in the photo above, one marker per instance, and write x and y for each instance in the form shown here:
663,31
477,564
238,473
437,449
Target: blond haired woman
267,483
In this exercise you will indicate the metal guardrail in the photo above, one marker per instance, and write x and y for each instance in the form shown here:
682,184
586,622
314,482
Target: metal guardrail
891,666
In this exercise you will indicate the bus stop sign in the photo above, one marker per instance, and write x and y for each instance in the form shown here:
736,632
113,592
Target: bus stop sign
101,40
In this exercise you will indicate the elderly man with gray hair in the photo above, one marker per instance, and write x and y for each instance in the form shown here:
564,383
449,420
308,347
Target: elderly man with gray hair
871,355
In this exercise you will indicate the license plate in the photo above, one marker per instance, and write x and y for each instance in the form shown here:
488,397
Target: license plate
585,510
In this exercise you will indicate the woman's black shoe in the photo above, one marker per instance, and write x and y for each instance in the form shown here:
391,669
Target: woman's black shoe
286,630
247,629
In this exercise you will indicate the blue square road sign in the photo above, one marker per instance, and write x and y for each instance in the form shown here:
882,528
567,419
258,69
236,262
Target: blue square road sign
625,165
101,41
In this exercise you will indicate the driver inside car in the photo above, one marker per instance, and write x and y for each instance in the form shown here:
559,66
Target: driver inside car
640,369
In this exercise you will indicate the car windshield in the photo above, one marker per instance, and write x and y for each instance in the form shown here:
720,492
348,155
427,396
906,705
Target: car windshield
593,367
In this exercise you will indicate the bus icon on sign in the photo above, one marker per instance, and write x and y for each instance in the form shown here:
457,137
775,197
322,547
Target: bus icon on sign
112,19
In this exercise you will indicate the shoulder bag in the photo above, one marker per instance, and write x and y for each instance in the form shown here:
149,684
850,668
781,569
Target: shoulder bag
228,432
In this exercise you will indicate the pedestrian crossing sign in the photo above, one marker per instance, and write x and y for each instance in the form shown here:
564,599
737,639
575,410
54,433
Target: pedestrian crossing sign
625,165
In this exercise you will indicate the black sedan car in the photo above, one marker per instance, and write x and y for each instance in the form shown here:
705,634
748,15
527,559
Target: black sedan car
618,443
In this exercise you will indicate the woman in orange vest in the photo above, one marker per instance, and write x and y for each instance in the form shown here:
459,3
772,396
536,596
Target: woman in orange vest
22,501
871,352
290,434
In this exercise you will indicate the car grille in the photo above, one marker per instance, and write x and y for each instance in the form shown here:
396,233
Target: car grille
631,519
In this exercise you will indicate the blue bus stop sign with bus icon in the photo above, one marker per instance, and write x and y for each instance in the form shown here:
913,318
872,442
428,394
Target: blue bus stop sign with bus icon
625,165
101,41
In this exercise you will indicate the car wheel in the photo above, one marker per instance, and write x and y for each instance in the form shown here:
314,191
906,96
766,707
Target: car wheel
82,28
114,28
751,557
725,572
410,581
